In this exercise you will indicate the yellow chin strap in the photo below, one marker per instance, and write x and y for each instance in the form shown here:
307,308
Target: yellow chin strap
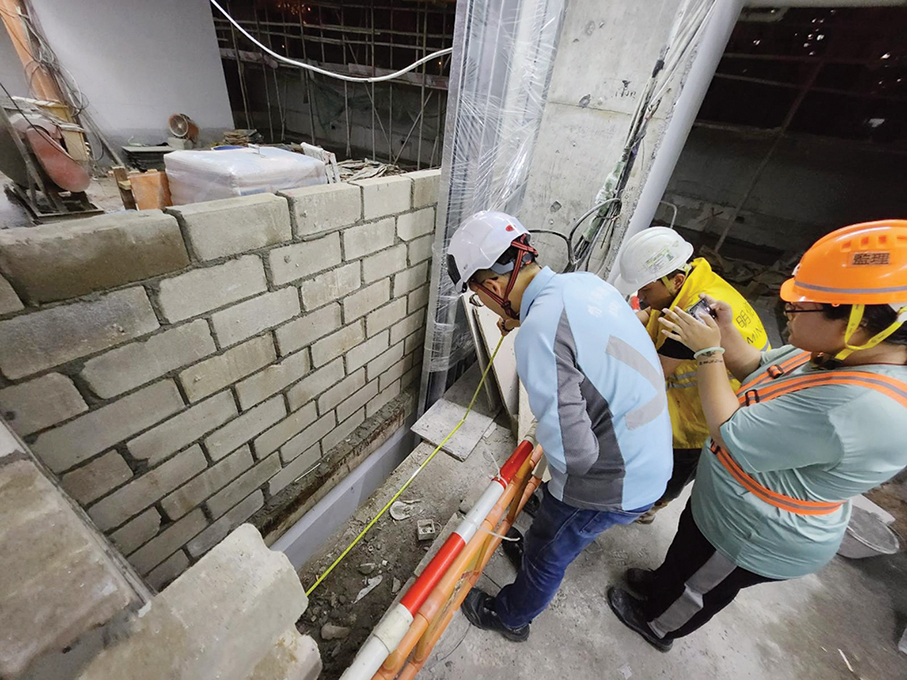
670,284
853,324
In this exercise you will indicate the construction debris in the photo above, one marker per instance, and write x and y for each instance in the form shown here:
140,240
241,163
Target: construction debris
331,632
242,137
367,568
401,510
370,585
426,530
397,585
351,170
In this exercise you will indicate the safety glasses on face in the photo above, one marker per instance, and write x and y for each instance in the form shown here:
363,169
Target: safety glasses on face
790,310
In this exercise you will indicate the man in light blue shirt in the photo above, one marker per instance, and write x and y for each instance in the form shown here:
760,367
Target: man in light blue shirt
595,386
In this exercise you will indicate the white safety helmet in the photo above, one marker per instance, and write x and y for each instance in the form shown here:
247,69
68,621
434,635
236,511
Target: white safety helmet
648,256
479,242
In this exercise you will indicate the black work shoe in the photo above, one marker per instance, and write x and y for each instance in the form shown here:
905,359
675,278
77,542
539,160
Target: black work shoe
629,610
640,581
513,549
477,608
532,505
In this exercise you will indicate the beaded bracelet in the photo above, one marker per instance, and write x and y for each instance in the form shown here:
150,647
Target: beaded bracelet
708,351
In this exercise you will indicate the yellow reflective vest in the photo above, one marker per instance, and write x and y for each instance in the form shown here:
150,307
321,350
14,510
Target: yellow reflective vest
687,419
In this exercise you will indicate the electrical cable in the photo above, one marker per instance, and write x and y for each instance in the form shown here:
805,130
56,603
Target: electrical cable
412,477
330,74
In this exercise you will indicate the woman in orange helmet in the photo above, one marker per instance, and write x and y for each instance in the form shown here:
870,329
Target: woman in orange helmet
813,424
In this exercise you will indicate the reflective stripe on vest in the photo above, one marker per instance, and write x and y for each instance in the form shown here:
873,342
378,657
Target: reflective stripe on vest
750,394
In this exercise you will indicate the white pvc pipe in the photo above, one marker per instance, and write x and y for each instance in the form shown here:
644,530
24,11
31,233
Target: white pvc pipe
715,37
384,639
828,4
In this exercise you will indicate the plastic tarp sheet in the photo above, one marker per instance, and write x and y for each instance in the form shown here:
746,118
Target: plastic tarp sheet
207,175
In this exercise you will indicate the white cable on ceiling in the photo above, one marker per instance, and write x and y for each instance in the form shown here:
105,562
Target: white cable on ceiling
330,74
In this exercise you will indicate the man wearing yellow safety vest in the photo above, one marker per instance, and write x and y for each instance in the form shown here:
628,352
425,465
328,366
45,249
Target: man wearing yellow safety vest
814,424
656,263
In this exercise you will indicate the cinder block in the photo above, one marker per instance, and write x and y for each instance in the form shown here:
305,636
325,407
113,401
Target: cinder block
286,429
255,389
367,238
330,286
161,442
414,342
137,531
394,373
215,373
341,391
384,264
310,387
378,366
168,541
308,438
147,489
408,326
194,492
80,439
215,533
124,368
342,431
296,469
337,344
385,195
386,316
426,184
40,403
415,224
33,342
420,249
309,327
95,479
410,376
361,355
56,581
382,399
366,300
243,485
9,301
251,317
234,225
322,208
357,401
418,299
68,259
214,621
293,657
301,260
168,570
409,280
245,428
202,290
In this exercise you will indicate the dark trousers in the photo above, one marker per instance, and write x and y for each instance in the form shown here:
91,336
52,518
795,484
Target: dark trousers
685,462
559,533
694,583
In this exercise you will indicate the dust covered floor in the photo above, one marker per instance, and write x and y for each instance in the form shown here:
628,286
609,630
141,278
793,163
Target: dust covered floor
391,545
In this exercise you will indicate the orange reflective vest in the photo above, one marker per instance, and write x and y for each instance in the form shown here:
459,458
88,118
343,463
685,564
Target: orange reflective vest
765,388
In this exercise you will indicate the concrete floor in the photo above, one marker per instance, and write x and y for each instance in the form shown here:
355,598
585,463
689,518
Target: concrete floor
791,630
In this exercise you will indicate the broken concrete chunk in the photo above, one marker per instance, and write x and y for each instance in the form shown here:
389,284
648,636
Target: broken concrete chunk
367,568
331,632
426,530
396,587
370,585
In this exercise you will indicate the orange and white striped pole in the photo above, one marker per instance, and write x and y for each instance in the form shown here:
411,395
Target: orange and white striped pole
387,635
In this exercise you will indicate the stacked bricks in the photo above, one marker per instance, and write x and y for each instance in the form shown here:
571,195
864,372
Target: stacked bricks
178,369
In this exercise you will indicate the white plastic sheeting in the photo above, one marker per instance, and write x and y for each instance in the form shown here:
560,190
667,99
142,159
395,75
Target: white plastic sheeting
196,176
503,57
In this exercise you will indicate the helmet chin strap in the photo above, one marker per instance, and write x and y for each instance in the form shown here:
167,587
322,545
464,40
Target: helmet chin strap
853,325
504,301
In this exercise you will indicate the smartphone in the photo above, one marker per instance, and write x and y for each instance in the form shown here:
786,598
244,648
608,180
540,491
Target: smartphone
699,309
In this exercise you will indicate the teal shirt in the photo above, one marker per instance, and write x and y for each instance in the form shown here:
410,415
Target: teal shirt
826,443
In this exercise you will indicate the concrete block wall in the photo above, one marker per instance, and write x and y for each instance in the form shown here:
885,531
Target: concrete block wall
179,369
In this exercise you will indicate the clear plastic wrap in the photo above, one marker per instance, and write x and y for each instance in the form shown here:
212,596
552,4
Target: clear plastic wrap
206,175
504,54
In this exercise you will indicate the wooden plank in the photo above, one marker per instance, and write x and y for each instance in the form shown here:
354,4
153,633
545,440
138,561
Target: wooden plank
445,413
122,179
504,368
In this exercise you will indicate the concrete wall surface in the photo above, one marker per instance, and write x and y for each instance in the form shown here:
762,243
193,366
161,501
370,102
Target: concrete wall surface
138,62
179,370
606,53
811,186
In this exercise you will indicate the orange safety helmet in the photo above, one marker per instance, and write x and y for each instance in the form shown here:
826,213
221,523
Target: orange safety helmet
863,264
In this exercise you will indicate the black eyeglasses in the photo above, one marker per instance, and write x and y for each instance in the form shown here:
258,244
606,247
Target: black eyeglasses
789,309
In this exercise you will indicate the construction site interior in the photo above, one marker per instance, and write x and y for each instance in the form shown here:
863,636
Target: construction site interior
242,404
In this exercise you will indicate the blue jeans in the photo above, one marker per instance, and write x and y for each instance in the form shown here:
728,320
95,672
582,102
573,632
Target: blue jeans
559,533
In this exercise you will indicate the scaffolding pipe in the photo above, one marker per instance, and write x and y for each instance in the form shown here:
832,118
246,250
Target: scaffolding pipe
390,631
